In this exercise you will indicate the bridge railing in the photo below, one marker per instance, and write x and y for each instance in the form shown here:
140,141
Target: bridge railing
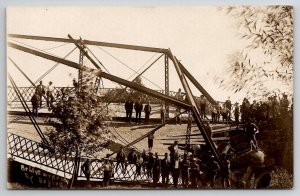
112,95
109,94
33,153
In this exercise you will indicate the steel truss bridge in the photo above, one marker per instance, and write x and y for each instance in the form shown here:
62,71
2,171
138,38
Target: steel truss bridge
26,150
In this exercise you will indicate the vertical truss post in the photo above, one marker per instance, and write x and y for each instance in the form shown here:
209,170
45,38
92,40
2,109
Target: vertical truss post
167,90
81,63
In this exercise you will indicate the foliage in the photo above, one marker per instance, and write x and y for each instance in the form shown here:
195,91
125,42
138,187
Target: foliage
281,179
136,94
269,54
79,123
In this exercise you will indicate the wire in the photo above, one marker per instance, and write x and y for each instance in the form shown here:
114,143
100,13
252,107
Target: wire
35,48
54,47
97,59
128,66
53,67
143,65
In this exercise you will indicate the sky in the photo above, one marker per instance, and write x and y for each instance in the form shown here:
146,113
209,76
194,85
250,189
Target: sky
202,38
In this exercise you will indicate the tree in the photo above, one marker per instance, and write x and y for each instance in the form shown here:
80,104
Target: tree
269,54
136,94
79,123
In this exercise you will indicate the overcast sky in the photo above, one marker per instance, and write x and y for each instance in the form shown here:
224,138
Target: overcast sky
201,37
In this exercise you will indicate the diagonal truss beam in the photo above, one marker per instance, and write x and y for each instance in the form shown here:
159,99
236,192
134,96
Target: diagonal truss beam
98,73
194,108
196,83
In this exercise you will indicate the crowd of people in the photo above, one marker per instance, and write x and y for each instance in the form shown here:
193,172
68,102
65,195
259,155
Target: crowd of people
187,167
257,111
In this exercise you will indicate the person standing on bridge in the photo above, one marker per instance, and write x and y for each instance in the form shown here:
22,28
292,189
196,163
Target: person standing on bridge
176,171
156,169
107,168
35,102
150,141
121,160
213,170
185,165
225,113
214,113
251,129
145,160
128,109
138,106
49,93
86,169
165,169
40,89
150,165
147,110
194,173
225,171
202,103
228,105
178,94
139,164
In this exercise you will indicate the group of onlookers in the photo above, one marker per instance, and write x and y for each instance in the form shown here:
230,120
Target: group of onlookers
138,107
159,171
41,92
258,110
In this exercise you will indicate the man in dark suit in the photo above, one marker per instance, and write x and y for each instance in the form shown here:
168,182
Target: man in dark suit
128,108
165,169
138,106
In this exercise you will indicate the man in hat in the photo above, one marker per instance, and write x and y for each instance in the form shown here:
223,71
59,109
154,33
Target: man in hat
35,102
173,151
132,156
163,114
147,110
165,169
228,106
194,173
145,160
139,164
121,160
213,170
128,109
202,103
138,106
86,169
185,164
40,90
107,168
251,129
176,170
150,165
150,141
156,169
